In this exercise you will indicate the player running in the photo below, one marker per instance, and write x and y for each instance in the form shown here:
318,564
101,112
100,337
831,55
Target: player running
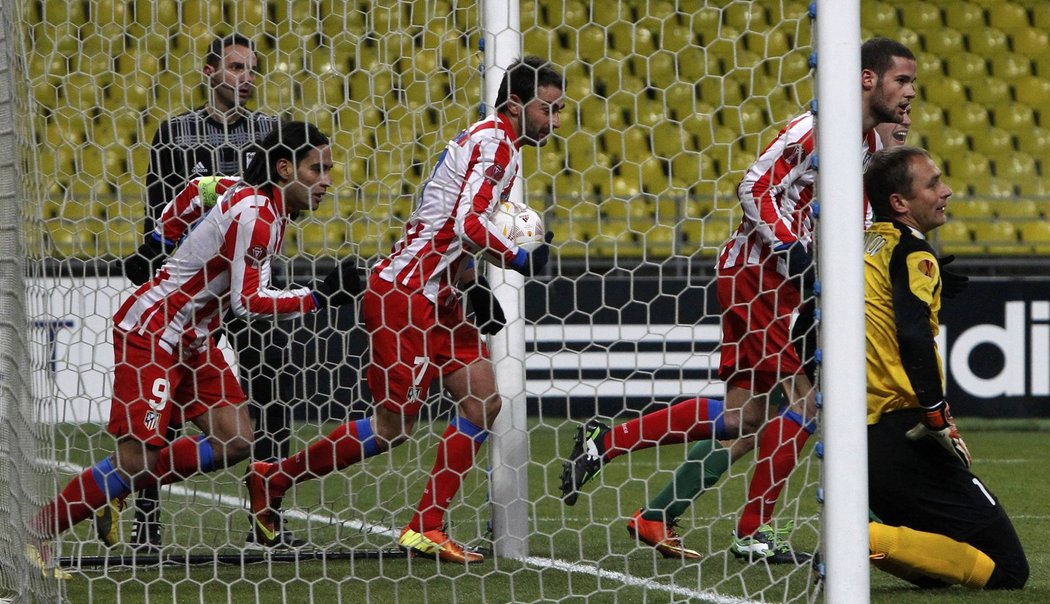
168,369
416,322
761,270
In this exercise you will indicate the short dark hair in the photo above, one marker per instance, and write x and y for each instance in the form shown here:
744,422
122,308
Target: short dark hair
288,140
877,54
218,46
889,172
524,77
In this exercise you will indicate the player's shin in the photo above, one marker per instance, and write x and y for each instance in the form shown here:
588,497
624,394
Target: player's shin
906,552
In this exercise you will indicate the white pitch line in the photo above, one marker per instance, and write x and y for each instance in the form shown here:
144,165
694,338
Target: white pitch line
373,529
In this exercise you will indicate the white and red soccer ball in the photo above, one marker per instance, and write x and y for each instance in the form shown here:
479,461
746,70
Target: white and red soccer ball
521,224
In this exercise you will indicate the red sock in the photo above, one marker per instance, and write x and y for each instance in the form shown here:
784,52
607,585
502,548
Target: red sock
181,459
778,449
455,456
77,501
342,448
693,419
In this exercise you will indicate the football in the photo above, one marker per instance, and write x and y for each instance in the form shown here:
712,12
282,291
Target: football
521,224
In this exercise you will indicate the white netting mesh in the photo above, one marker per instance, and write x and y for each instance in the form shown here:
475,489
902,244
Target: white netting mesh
668,103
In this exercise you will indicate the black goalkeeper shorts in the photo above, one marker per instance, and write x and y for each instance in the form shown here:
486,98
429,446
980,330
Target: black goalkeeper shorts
921,485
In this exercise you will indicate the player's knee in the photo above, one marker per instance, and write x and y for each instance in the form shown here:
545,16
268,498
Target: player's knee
392,429
1011,573
237,448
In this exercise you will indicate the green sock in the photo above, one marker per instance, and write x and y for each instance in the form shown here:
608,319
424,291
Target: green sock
705,464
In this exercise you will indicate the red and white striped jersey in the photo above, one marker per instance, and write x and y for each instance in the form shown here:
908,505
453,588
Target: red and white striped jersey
775,194
474,173
222,264
189,205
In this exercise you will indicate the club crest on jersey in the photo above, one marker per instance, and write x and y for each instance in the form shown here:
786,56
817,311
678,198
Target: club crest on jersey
926,267
255,255
494,173
794,153
150,420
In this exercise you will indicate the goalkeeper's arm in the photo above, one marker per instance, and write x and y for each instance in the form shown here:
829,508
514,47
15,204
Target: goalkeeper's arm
141,265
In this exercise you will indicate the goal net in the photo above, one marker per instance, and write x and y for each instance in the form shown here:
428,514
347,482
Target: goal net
668,104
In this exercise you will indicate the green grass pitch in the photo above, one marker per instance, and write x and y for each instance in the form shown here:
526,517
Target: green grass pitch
578,554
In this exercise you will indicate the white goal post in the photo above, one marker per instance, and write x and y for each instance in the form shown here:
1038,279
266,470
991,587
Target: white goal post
669,101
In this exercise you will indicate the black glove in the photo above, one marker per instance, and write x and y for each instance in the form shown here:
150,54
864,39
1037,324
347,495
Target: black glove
952,283
340,285
488,314
799,262
141,266
530,263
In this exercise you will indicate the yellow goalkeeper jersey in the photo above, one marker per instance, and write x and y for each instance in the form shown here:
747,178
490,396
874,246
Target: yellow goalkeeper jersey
902,296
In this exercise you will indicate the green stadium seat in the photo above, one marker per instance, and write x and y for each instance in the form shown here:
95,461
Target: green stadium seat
920,16
963,16
1008,16
945,141
1041,16
944,41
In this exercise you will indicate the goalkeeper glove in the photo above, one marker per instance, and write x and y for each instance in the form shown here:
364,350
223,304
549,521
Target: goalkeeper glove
530,263
141,266
799,262
340,285
488,314
952,283
937,422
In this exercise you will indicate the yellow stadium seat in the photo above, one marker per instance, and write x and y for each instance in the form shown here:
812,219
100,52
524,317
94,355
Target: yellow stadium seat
1031,42
71,239
954,237
1036,234
994,142
1016,166
1033,91
970,209
879,16
998,237
966,66
920,16
967,165
1008,16
1036,142
1014,209
963,16
969,117
945,141
989,91
1041,16
942,90
1015,117
1011,66
944,42
992,187
987,41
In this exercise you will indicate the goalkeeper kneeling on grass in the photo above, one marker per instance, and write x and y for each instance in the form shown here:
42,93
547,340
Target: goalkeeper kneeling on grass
940,525
167,367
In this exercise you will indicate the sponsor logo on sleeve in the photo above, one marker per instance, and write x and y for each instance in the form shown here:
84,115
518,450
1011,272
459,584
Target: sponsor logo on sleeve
494,173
